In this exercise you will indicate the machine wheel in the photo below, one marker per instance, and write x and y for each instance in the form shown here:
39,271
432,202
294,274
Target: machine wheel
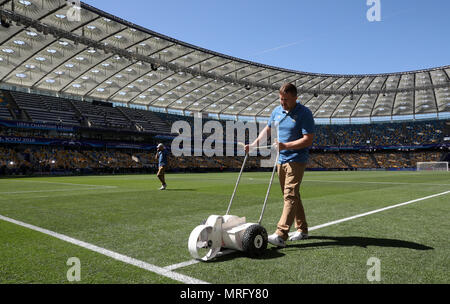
204,233
201,243
254,240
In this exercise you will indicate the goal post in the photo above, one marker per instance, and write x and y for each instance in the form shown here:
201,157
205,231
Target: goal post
432,166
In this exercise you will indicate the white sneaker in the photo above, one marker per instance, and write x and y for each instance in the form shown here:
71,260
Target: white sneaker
276,240
298,236
163,187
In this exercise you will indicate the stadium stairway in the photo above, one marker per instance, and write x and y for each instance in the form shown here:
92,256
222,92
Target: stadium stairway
5,112
343,160
44,109
334,140
14,109
407,156
63,109
374,160
445,157
317,162
138,119
77,112
130,119
160,124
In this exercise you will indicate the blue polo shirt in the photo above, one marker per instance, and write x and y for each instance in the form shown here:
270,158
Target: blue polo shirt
291,126
162,158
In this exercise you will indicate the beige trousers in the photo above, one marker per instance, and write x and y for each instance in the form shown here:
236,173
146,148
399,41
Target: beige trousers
160,174
290,176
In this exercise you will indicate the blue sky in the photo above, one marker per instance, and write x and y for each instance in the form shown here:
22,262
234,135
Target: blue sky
323,36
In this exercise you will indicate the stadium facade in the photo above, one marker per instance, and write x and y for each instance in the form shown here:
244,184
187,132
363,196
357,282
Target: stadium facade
75,75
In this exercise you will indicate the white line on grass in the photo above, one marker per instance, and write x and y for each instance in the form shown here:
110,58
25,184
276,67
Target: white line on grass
117,256
356,182
89,187
191,262
56,190
377,210
363,182
59,183
181,265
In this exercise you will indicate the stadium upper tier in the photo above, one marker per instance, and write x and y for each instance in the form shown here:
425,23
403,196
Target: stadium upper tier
88,54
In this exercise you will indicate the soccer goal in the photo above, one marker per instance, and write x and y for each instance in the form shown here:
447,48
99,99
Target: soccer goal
432,166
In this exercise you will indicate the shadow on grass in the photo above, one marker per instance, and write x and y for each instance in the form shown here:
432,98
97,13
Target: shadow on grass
358,241
175,190
269,253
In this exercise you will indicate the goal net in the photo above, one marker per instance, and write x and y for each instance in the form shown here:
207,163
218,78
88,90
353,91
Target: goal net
432,166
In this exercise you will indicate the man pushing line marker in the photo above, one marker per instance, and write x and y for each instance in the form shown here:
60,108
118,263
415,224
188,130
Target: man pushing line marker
295,125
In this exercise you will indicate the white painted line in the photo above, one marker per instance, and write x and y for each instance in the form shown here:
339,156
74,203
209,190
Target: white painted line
376,211
117,256
59,183
180,265
356,182
191,262
56,190
362,182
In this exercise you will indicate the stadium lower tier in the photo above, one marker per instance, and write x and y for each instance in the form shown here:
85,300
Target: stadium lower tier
19,110
36,160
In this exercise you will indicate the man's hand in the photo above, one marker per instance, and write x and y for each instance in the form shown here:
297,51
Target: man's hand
304,142
282,146
277,145
248,147
264,133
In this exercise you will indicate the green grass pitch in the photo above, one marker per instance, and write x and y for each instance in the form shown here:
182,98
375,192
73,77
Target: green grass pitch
127,214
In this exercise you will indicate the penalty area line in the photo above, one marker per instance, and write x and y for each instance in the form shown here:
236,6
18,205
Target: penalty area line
117,256
378,210
60,183
193,261
56,190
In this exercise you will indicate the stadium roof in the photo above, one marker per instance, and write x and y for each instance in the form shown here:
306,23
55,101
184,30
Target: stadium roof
47,45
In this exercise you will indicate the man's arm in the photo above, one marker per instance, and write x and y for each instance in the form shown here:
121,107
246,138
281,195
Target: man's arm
264,132
304,142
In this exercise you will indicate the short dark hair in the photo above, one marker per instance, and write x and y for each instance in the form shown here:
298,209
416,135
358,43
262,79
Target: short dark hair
288,88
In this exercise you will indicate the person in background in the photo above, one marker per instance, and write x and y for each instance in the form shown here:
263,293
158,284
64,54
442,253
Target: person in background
161,156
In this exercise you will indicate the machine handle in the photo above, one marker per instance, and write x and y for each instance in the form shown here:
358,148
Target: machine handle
237,183
268,189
